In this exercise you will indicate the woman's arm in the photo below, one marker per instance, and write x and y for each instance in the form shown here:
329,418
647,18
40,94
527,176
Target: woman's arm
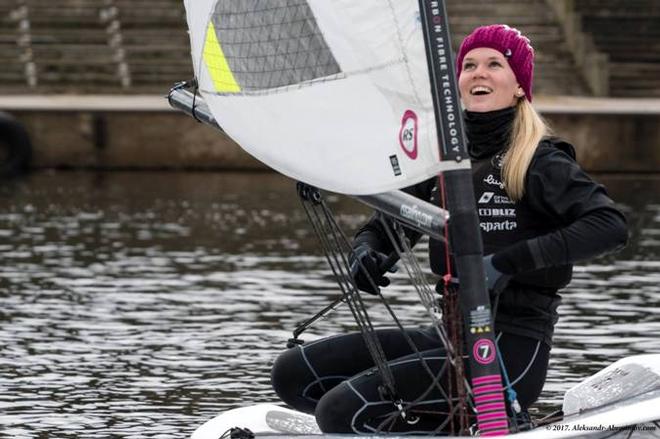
562,192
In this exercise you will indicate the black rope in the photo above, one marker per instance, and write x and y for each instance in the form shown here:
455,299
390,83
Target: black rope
195,85
337,249
427,298
335,246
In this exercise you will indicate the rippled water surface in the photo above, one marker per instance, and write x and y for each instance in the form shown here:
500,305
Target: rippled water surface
141,304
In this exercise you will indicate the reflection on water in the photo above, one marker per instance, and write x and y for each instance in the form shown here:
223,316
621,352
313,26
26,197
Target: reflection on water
141,304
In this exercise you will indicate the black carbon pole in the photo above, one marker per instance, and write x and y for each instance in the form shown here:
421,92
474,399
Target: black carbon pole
464,231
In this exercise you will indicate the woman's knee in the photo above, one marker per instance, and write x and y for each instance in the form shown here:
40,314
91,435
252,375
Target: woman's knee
289,377
335,411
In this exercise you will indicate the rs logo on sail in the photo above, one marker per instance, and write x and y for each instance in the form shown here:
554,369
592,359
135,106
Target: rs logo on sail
408,134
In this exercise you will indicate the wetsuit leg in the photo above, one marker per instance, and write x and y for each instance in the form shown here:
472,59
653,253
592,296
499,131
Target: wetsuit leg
356,405
303,374
526,362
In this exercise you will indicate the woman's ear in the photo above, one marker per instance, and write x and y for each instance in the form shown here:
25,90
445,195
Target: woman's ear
520,92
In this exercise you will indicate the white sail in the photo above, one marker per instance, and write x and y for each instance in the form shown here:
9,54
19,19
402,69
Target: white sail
334,93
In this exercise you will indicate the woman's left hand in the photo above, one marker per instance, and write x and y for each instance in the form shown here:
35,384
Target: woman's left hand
496,281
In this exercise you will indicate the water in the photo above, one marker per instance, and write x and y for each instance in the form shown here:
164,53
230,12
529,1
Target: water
138,305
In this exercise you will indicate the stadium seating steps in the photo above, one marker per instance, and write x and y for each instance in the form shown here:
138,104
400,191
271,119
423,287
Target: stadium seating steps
141,46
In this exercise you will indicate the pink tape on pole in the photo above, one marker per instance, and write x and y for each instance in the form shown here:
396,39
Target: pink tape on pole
491,407
492,419
495,428
488,379
488,398
487,389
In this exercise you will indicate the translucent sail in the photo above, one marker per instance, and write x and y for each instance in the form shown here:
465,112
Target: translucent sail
334,93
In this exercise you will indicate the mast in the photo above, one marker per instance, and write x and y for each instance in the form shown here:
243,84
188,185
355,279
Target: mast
464,232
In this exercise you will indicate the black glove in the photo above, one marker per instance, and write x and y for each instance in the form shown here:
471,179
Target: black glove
496,281
364,258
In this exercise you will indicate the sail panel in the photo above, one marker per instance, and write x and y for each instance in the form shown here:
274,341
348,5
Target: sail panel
270,44
216,61
332,93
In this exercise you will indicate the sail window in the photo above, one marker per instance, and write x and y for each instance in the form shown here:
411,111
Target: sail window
256,45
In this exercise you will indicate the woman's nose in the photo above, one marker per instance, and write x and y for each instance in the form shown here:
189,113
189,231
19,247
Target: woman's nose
479,72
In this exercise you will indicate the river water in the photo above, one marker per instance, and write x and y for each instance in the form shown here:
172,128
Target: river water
138,305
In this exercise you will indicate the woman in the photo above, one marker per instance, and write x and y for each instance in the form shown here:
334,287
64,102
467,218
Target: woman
539,213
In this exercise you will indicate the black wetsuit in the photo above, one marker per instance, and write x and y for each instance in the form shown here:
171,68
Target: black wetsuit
563,217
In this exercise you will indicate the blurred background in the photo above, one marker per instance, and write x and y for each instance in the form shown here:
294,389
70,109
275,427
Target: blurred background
150,270
80,75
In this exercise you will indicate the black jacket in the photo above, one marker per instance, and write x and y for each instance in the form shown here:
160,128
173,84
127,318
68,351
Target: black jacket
564,217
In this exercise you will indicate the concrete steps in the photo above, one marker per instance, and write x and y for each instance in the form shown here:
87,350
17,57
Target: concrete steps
128,46
555,70
12,73
155,41
628,31
69,44
93,45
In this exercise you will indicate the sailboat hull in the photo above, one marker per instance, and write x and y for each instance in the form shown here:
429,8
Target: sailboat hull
622,400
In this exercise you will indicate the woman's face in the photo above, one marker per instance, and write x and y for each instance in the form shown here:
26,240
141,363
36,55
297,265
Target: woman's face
487,82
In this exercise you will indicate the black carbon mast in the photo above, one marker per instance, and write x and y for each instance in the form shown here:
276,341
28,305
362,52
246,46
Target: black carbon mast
464,232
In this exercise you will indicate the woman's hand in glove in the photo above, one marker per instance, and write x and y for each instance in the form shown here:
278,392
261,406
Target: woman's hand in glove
496,281
367,269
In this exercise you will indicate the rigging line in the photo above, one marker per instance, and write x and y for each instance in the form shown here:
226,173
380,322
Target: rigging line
379,357
332,306
434,379
452,362
443,204
428,299
453,325
406,254
510,392
195,84
304,325
466,390
448,418
319,234
325,245
354,299
328,251
455,410
408,257
332,243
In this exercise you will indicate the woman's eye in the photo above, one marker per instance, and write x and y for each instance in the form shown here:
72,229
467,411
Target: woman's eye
468,66
495,64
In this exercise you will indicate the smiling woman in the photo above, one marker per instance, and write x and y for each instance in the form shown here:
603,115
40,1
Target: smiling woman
539,213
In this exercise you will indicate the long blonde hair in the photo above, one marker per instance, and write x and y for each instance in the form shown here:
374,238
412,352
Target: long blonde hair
527,131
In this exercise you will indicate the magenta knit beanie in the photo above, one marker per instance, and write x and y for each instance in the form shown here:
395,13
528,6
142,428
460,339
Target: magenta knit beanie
515,47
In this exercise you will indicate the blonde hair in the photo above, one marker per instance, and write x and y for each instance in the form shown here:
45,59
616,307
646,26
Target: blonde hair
527,131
